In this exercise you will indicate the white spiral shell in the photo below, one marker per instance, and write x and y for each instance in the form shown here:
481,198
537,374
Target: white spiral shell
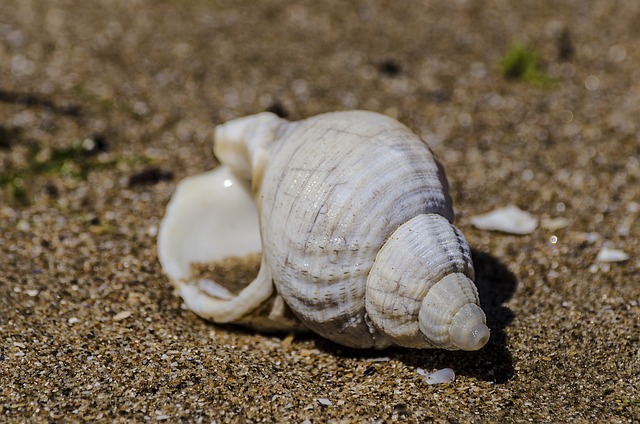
354,218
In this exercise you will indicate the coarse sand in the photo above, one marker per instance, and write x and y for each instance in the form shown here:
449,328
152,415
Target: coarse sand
105,106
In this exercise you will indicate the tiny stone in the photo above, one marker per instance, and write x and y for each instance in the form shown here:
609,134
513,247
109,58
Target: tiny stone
73,320
380,359
633,207
554,223
324,402
607,254
122,315
32,293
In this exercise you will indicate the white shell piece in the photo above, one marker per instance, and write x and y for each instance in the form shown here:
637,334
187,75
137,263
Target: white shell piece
510,219
607,254
211,216
324,402
554,224
445,375
355,228
227,223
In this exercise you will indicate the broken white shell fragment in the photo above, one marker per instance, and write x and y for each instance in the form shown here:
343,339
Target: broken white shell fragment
352,215
607,254
324,402
554,224
510,219
445,375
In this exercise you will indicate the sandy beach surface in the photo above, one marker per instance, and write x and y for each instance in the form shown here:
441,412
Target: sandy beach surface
105,106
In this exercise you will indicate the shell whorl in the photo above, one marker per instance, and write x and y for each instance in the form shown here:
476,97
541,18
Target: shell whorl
336,187
421,277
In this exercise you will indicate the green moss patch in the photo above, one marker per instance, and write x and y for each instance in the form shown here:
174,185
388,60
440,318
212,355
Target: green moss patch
522,63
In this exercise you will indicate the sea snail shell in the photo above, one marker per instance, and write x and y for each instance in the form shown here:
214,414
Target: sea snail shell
352,215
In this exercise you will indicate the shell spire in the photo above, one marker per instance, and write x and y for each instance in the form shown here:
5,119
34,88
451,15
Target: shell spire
420,291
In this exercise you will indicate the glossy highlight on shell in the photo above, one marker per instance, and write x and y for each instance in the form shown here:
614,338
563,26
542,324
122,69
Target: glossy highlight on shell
351,214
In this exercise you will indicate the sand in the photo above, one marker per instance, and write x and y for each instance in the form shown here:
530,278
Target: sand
105,106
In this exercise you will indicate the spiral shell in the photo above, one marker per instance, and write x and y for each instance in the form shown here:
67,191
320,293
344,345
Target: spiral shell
354,219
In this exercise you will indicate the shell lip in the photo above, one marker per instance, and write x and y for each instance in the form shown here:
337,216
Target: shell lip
210,217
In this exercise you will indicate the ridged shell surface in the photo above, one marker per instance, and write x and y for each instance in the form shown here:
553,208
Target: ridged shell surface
335,188
409,268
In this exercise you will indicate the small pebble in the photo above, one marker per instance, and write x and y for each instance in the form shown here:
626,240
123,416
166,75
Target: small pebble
624,228
23,226
73,320
587,237
509,219
607,254
150,176
324,402
380,359
122,315
370,371
555,223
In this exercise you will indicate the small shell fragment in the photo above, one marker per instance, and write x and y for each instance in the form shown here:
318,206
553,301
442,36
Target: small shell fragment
555,223
380,359
445,375
324,402
510,219
607,254
121,316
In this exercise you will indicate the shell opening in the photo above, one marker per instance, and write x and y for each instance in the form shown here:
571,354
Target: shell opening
212,217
